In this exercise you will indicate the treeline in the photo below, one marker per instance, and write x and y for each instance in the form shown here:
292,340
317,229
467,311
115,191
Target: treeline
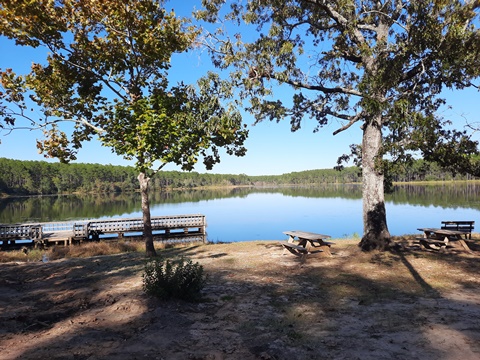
19,177
41,177
421,170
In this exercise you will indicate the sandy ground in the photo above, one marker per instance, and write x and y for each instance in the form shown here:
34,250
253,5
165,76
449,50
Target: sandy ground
259,303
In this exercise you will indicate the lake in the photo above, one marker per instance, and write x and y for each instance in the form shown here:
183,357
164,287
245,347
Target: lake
242,214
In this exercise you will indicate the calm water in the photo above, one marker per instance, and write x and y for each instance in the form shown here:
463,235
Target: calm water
262,214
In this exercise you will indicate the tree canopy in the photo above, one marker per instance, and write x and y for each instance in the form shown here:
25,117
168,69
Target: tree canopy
107,73
381,65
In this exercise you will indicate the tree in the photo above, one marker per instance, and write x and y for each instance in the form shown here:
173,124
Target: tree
380,64
107,72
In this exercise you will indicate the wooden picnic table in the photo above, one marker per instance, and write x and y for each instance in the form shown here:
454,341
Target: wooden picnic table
437,239
302,243
466,226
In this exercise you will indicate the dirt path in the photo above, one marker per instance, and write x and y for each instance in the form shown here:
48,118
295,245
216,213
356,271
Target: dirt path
258,304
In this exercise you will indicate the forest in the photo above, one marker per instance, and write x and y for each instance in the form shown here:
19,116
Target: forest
18,177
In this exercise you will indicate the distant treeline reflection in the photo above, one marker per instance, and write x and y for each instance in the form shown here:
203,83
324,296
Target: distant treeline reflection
449,195
73,207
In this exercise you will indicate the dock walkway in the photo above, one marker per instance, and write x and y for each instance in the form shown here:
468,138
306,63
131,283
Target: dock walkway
68,232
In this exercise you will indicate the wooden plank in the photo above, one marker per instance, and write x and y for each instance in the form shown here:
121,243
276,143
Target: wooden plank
450,234
329,243
306,235
446,232
296,247
321,247
308,240
458,225
300,250
465,246
456,228
458,222
432,241
432,244
319,241
179,222
438,244
466,226
428,229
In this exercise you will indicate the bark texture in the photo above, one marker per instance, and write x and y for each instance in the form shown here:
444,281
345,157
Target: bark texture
375,229
143,179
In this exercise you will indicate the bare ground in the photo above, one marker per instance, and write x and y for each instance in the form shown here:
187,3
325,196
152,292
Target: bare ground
259,303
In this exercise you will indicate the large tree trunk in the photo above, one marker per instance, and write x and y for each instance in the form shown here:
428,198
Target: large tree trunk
375,230
143,179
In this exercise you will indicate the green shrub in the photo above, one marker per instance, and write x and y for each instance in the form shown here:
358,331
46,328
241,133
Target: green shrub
167,279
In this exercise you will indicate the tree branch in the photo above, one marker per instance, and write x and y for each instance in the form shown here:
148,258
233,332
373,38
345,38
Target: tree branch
325,90
352,121
339,19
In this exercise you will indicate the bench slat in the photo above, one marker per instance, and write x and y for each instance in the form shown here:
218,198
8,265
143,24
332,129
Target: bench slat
306,235
299,250
432,241
455,228
296,247
458,222
459,225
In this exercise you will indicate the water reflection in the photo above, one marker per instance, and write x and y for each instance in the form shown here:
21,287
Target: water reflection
237,214
447,195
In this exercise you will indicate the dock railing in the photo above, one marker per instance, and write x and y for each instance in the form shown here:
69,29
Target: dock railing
17,231
68,231
188,223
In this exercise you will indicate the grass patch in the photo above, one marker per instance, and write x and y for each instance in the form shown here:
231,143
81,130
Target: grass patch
94,249
84,250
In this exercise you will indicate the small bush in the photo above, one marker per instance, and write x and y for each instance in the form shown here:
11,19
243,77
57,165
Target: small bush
167,279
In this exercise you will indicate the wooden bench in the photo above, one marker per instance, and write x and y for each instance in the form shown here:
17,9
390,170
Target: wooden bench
442,239
292,246
464,226
433,243
308,243
298,250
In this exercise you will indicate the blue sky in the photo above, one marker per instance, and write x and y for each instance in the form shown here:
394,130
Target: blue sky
272,147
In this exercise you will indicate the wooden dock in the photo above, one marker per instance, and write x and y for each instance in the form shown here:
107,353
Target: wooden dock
174,227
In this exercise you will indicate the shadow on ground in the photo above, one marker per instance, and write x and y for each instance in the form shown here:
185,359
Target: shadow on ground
259,303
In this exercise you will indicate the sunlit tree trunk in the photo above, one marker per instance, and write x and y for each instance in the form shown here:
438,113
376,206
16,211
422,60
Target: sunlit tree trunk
147,223
375,229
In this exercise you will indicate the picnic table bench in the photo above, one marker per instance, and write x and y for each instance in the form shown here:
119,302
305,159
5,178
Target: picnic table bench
464,226
302,243
442,239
